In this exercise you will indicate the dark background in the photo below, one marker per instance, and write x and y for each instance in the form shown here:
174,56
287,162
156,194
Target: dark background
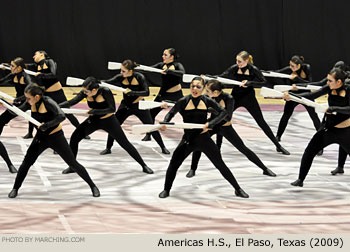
83,35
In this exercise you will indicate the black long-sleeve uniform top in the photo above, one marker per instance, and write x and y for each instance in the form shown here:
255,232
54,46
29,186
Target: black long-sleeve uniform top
174,71
137,83
195,110
304,70
338,101
20,81
101,104
46,111
254,79
48,71
227,102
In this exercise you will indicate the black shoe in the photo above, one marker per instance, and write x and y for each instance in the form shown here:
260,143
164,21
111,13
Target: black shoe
191,173
147,138
297,182
106,151
337,170
95,191
164,194
28,136
165,151
278,138
68,170
13,193
87,137
320,153
147,170
12,169
241,193
283,150
268,172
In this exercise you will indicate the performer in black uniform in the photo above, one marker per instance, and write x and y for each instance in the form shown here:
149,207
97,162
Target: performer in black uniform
224,128
101,116
136,88
194,109
47,77
335,128
301,73
342,155
49,135
170,90
19,79
244,95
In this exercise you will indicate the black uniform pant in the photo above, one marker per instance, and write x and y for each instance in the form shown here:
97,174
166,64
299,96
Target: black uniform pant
4,154
172,97
58,143
342,155
5,118
231,135
202,143
111,126
59,96
287,113
144,116
249,102
318,142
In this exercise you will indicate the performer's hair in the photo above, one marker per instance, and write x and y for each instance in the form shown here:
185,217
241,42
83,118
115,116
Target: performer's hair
34,89
129,64
198,79
246,56
91,83
297,59
45,53
338,74
214,85
173,52
19,62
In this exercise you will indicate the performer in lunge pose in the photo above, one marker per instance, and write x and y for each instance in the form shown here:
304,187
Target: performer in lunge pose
300,73
342,153
19,79
170,89
101,116
335,128
49,135
47,77
224,128
136,88
244,95
194,109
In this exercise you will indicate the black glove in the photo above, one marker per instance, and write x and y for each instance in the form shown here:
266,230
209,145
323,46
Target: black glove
44,127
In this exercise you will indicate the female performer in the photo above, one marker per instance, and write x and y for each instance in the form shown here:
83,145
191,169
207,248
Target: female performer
19,79
101,116
170,89
224,128
244,95
335,128
300,73
194,109
136,88
49,135
46,76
